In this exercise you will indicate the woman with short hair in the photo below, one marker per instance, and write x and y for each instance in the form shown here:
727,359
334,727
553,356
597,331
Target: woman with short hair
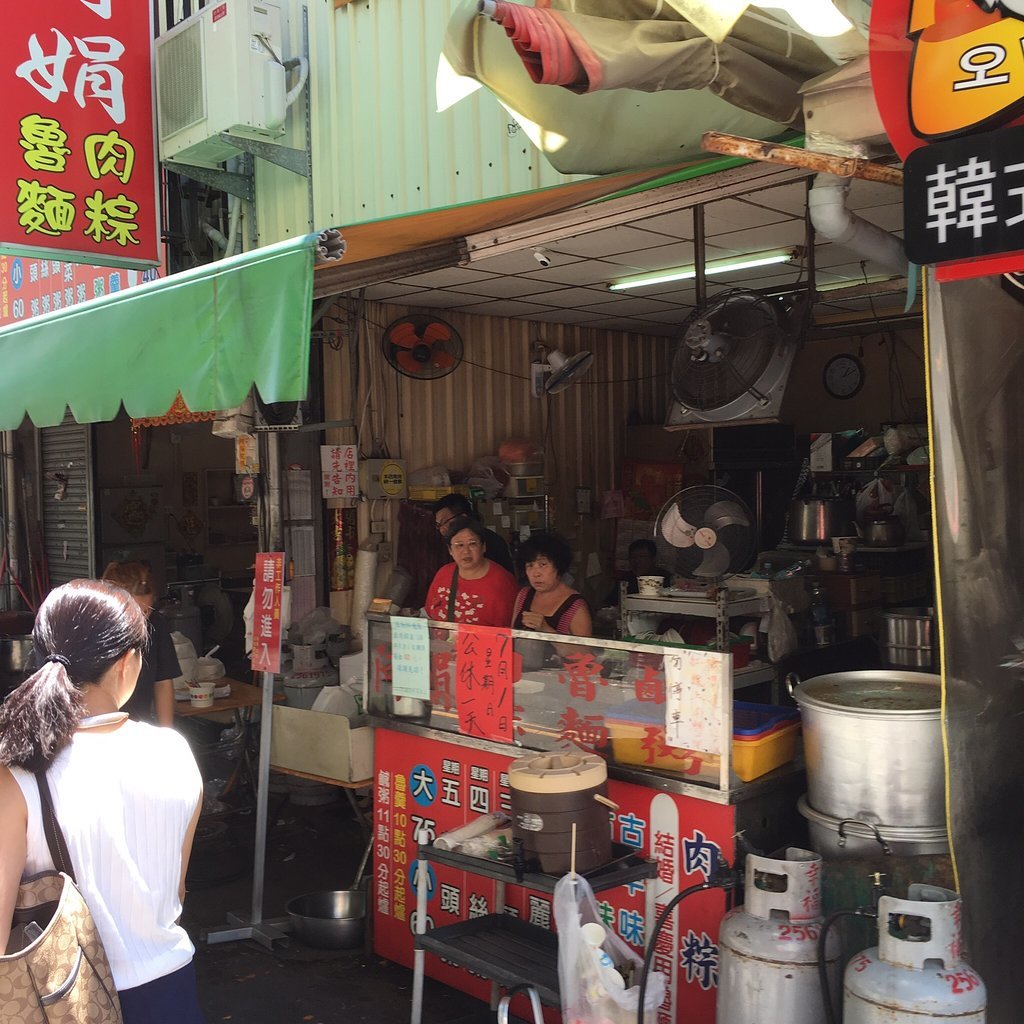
126,795
549,604
472,589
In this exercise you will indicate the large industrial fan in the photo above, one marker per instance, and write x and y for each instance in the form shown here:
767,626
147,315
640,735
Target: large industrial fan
422,347
705,533
734,359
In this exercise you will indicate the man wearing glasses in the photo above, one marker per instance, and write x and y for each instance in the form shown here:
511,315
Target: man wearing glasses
453,506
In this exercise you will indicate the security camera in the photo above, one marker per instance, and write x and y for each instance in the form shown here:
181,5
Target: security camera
542,257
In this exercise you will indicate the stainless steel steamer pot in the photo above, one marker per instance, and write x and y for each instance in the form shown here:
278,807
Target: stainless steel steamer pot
873,746
852,837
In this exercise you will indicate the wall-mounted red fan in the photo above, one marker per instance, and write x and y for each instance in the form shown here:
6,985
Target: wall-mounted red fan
422,347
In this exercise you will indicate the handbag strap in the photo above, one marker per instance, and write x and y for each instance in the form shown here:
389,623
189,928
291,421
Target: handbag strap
452,594
51,828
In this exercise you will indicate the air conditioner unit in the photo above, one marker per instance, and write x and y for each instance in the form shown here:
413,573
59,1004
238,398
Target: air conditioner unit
279,415
219,71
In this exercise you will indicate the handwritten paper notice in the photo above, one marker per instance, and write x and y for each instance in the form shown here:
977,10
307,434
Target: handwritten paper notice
410,658
483,673
695,681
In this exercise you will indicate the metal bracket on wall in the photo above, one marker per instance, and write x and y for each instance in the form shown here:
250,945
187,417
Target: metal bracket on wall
294,160
240,185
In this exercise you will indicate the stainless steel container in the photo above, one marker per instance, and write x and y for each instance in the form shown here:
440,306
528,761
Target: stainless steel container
837,838
908,638
329,919
873,746
818,520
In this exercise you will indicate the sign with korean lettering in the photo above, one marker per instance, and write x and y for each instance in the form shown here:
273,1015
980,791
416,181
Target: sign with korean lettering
965,197
483,682
339,469
945,71
266,616
436,786
79,165
410,657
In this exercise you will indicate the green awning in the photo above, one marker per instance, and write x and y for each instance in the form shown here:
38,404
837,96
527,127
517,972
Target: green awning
210,333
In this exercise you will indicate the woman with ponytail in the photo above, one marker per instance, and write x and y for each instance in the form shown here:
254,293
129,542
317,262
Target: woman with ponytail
126,795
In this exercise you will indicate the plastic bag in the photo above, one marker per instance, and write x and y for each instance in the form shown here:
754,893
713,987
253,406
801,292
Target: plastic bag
489,475
782,639
518,449
592,962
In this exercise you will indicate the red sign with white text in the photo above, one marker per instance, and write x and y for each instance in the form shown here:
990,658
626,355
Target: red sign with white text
436,786
266,616
76,131
483,667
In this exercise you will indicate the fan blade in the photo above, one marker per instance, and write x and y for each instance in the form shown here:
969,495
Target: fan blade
441,358
436,331
410,364
725,513
715,562
676,530
404,335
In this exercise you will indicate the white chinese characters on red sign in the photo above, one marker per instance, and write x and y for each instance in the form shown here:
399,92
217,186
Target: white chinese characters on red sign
339,469
266,620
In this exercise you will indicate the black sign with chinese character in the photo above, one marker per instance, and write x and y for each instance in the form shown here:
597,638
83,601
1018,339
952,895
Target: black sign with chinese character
965,197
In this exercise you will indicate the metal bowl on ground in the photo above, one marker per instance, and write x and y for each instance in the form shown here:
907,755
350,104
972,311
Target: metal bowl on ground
329,919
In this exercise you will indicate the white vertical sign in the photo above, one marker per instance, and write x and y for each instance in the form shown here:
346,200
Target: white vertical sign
339,469
695,682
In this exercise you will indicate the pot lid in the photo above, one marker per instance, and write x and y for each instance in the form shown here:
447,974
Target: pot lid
880,693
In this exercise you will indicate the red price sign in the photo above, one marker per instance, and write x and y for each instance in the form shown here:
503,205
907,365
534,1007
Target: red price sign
266,625
483,672
76,131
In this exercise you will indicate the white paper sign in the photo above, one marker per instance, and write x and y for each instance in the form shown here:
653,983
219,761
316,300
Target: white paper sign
339,470
694,683
410,657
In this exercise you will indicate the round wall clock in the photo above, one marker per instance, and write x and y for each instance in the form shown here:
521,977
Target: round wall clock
843,376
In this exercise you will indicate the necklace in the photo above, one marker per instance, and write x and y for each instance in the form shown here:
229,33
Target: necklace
100,721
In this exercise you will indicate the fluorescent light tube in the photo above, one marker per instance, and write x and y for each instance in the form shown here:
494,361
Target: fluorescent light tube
724,266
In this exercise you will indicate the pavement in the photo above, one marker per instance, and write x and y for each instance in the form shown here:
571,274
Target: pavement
308,848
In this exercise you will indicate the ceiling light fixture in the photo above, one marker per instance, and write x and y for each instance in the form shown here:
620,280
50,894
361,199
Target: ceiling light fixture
723,266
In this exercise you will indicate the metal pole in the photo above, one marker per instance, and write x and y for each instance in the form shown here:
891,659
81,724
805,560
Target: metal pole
262,793
419,965
700,289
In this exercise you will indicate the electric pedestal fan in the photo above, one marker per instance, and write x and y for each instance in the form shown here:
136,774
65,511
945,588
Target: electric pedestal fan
705,533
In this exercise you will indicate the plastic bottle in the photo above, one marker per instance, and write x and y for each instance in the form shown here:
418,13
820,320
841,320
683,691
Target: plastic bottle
821,617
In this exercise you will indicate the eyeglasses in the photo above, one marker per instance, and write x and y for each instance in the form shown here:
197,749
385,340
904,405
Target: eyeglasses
468,545
440,524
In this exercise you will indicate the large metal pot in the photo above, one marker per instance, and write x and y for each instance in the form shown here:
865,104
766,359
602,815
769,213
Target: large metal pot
884,531
853,837
908,637
818,520
873,745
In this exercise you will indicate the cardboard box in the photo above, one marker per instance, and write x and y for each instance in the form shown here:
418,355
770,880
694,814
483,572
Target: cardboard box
331,746
821,453
846,590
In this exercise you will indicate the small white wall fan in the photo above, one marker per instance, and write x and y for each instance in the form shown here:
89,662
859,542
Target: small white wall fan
552,371
705,533
734,358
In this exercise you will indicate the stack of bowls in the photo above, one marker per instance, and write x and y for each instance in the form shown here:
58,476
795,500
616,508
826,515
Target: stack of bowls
875,779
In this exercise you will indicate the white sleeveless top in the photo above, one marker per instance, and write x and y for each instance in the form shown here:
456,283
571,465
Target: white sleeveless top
124,800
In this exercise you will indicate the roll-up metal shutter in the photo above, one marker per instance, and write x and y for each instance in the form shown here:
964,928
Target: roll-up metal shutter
66,500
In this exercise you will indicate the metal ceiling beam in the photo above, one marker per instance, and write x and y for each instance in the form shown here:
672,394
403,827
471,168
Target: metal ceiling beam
793,156
338,277
610,213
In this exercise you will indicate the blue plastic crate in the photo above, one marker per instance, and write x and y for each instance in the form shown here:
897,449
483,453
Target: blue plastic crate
753,720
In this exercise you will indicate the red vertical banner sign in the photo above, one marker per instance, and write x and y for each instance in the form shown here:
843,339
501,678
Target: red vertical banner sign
78,172
266,625
483,672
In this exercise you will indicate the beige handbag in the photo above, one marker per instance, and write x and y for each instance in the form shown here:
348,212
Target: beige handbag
55,970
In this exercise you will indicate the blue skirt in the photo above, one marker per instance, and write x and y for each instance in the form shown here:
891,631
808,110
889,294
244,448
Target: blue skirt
171,999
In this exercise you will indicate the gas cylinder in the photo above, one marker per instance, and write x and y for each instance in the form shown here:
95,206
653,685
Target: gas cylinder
915,973
768,948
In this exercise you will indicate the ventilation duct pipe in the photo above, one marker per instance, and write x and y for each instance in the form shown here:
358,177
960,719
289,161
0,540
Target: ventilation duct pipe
831,219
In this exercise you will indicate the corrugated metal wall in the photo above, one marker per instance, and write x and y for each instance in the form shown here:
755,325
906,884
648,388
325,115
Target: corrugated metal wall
380,149
458,418
67,522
